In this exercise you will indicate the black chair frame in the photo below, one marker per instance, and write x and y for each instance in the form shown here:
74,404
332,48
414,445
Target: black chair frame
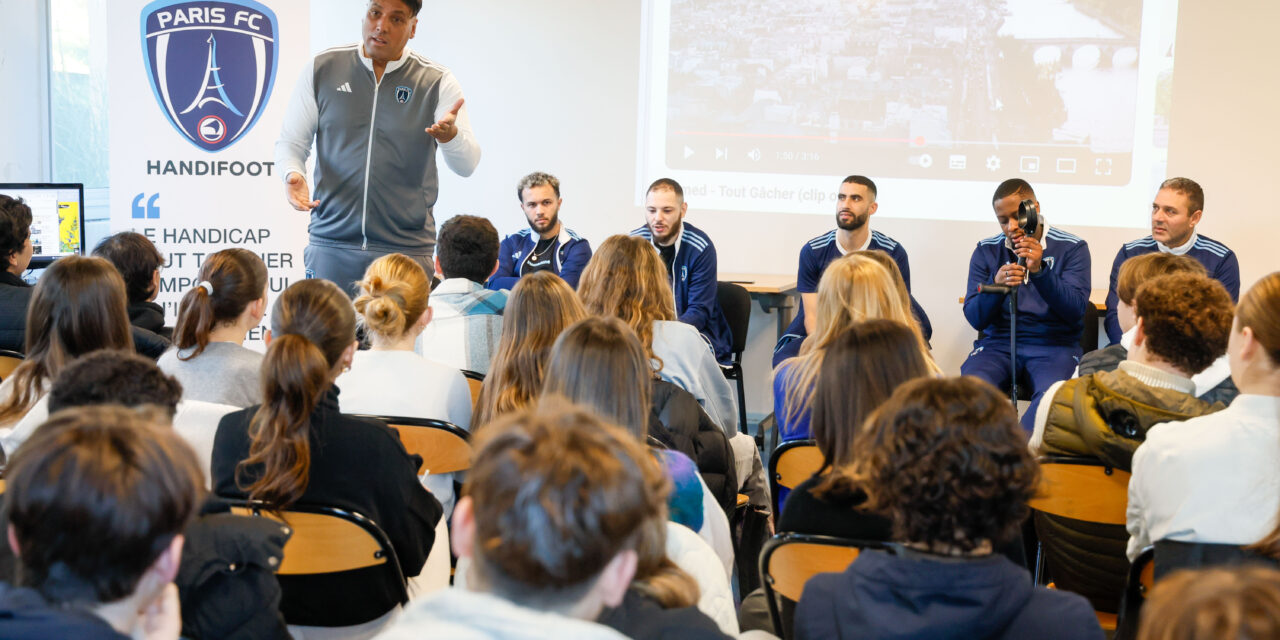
256,507
735,303
773,470
782,539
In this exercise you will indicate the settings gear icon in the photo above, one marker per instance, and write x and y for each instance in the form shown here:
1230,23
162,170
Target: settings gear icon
993,163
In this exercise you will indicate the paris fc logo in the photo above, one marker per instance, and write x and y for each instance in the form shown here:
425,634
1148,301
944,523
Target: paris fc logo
211,64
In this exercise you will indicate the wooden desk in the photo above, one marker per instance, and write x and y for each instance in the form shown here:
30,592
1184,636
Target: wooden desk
1097,296
772,291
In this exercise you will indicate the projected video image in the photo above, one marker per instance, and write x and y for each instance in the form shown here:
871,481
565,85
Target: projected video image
1047,90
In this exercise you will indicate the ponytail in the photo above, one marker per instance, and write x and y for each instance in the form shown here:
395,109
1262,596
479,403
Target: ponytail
195,322
314,323
295,373
229,280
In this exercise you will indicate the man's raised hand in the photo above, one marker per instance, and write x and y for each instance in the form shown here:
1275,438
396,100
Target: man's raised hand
298,193
444,130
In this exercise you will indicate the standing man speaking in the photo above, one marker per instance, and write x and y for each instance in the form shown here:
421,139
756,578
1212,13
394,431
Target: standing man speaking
377,111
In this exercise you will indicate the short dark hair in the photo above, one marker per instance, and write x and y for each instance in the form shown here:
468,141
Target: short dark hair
537,179
1013,186
414,6
468,248
1186,318
946,460
1189,188
94,496
557,493
862,180
110,376
15,226
666,184
136,258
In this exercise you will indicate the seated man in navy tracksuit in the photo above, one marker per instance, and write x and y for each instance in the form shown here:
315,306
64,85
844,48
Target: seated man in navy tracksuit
1175,213
1053,291
547,245
855,204
691,262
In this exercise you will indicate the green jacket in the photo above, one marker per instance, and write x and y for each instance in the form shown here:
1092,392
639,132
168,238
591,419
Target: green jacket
1107,414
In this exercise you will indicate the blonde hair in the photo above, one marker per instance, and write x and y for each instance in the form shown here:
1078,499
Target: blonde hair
625,279
393,295
541,305
853,289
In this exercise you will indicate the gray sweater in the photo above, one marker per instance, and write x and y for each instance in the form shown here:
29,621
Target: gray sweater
225,373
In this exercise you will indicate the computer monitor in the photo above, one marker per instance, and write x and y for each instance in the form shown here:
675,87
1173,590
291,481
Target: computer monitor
57,218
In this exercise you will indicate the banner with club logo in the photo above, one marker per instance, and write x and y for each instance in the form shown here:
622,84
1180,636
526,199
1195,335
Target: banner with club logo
198,89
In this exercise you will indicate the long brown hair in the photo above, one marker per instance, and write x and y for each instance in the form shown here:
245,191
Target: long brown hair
393,295
312,323
1259,310
541,305
625,279
853,288
599,363
861,369
237,277
78,306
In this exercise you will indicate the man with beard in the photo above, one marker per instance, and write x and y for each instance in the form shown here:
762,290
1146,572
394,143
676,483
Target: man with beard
855,205
691,262
1053,292
1176,211
547,245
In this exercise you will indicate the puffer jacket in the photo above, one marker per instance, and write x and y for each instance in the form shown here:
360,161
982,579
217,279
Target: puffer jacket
1105,415
679,423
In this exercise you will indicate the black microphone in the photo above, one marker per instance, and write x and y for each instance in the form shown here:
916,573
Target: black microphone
1028,222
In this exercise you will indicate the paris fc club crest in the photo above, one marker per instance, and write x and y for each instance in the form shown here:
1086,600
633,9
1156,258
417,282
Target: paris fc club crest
403,94
211,64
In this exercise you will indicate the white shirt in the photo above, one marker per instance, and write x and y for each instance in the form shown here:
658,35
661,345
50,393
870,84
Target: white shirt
1215,478
689,363
406,385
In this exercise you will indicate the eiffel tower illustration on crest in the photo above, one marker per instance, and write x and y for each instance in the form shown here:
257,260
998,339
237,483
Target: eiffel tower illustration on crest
211,70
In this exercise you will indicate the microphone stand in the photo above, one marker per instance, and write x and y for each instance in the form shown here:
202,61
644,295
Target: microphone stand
1012,294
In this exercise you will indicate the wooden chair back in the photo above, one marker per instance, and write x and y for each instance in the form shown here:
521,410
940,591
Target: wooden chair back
789,560
444,446
9,360
1082,489
475,381
792,463
327,539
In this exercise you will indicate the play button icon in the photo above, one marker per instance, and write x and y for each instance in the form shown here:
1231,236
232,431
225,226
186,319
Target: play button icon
687,151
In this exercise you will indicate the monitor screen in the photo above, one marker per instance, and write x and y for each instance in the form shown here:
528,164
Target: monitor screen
57,219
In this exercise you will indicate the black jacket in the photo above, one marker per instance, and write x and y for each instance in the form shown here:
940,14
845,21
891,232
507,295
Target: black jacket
26,615
227,582
642,618
679,423
149,316
15,297
884,597
357,464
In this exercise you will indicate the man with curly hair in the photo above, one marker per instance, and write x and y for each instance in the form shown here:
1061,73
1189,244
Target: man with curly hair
1183,322
944,459
15,252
